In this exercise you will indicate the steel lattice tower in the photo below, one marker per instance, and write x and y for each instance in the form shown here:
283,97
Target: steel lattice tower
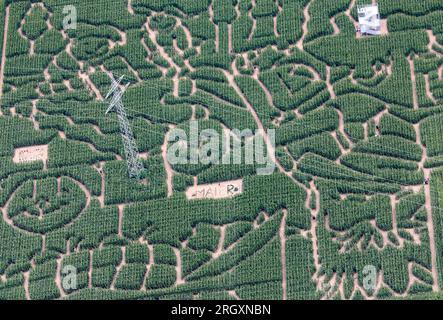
135,166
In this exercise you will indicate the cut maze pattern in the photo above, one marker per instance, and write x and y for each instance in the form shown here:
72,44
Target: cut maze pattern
358,130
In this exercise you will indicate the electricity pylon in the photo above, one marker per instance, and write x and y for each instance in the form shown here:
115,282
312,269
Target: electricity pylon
135,166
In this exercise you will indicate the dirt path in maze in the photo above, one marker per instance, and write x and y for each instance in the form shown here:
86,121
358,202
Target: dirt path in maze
58,277
178,268
152,35
234,294
329,84
394,203
430,223
5,39
254,22
10,222
150,263
220,247
414,82
87,81
189,41
26,284
186,31
119,267
341,129
428,206
101,197
348,13
334,26
263,87
314,222
307,18
168,168
130,8
217,29
378,116
428,89
270,148
433,41
282,234
275,20
121,212
21,33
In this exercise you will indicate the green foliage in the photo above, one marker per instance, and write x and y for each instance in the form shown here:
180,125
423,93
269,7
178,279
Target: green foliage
431,135
223,11
103,277
206,237
51,42
312,123
391,125
322,144
128,238
35,23
106,256
191,260
360,57
130,277
391,146
160,276
256,97
68,153
320,12
137,253
358,108
289,21
235,232
164,254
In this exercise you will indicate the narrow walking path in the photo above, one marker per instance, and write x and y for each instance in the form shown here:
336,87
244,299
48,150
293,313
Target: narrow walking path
130,8
152,35
88,82
178,269
261,128
314,224
5,40
282,234
168,168
306,20
348,13
428,206
414,82
428,89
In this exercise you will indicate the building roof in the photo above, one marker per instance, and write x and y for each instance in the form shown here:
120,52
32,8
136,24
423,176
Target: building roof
369,19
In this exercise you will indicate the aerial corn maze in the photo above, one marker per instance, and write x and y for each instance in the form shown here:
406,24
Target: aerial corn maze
352,209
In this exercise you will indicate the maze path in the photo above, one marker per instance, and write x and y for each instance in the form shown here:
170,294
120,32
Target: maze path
186,64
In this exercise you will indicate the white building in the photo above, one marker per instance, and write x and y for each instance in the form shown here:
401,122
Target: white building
369,20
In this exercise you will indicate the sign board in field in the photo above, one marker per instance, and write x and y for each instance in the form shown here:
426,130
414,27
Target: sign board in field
222,190
31,154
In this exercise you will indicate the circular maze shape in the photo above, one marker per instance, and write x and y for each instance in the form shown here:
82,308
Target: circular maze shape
44,205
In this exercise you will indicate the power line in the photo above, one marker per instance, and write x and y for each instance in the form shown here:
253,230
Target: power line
238,108
232,111
344,175
135,166
302,125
